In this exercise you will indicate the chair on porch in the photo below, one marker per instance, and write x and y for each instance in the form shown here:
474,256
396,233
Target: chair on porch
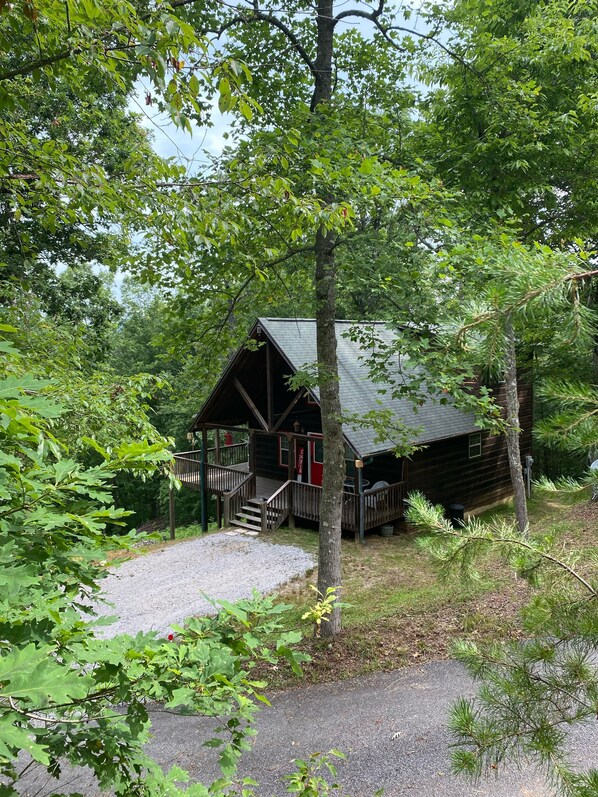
376,500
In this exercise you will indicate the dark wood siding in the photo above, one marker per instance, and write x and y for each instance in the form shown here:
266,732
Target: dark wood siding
445,474
266,458
385,467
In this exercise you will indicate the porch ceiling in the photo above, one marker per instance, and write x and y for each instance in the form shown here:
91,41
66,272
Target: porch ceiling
248,368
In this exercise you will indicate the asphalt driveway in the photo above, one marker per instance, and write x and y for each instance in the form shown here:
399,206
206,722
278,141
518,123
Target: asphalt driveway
391,726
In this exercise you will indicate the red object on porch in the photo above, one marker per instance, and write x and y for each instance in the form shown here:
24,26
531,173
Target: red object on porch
300,463
316,460
228,439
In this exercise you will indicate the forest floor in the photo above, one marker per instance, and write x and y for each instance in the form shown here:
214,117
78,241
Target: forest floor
401,613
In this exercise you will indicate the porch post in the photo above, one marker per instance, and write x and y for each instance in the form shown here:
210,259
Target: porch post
217,445
252,453
269,396
203,488
219,511
361,501
264,516
291,477
171,513
291,467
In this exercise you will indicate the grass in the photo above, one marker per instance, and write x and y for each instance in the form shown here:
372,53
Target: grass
401,613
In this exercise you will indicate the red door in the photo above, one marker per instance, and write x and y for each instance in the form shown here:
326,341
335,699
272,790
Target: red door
316,459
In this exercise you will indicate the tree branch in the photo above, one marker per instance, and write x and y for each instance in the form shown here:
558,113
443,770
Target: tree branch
256,15
373,16
39,64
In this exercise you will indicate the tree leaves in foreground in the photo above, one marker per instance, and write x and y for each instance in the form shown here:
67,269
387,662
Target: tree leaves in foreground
533,693
62,689
574,422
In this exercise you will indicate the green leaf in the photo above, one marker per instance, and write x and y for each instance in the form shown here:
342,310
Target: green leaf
14,738
33,676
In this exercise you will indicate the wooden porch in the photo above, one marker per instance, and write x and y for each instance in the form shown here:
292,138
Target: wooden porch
265,504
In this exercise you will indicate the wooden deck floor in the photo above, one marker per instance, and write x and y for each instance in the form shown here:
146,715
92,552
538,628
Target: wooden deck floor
264,488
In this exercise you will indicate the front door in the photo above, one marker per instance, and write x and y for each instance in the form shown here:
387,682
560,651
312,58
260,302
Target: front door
316,459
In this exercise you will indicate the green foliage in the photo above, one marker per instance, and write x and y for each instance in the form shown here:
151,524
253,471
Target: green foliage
307,781
322,609
80,183
574,422
96,403
544,291
511,117
532,692
61,688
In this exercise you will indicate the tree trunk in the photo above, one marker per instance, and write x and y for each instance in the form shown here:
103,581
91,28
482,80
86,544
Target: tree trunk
329,565
513,428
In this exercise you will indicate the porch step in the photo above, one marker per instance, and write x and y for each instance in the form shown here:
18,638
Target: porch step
255,511
250,515
245,525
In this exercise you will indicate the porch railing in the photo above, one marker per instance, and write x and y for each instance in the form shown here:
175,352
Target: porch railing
219,479
277,508
383,505
300,499
186,467
235,498
235,454
379,506
350,516
306,504
306,500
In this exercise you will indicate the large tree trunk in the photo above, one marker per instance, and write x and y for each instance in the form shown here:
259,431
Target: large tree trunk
513,428
329,566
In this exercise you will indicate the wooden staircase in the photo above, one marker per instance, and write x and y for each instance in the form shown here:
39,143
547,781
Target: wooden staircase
250,515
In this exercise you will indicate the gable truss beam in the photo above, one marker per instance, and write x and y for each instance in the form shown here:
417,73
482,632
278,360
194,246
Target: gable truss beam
289,409
251,404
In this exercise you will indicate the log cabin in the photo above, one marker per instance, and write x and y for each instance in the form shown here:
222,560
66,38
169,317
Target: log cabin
261,451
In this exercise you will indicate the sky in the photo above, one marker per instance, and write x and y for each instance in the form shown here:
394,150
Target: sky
168,141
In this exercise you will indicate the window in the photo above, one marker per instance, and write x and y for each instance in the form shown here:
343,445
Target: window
475,445
283,451
318,450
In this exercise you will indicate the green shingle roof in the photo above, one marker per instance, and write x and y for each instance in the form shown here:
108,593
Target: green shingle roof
296,340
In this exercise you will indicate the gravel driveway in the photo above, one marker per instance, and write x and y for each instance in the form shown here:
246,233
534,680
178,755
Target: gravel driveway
165,586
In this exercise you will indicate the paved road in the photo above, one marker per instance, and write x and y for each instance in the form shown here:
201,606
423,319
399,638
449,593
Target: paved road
392,726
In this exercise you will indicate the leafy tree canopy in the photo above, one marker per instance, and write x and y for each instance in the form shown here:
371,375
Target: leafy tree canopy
512,121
